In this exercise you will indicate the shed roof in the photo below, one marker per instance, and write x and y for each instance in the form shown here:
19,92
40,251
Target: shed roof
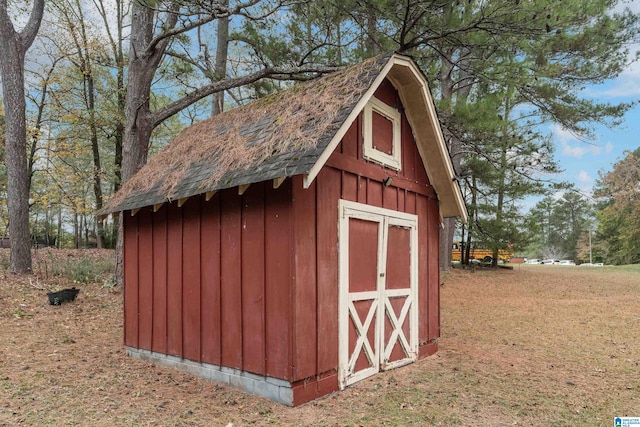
290,133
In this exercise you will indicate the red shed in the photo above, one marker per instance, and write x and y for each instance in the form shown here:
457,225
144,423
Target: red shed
289,247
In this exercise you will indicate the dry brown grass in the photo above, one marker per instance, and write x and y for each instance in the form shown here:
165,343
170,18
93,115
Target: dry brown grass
539,345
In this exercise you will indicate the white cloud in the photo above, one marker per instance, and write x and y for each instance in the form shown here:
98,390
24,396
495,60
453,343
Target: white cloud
573,147
578,151
608,148
574,151
633,5
562,134
583,177
627,85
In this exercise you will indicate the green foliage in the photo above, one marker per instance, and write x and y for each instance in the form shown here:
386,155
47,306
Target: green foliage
563,225
619,210
499,171
80,270
628,268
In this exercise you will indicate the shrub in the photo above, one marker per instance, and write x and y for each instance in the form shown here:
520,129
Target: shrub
78,269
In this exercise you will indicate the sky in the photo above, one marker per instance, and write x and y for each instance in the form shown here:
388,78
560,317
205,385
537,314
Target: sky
581,160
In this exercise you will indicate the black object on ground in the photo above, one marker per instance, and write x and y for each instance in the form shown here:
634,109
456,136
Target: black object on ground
65,295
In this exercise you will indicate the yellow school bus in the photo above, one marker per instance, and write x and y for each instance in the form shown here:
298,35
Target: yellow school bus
478,253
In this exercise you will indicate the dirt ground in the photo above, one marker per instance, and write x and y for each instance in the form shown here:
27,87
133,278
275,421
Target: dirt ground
535,346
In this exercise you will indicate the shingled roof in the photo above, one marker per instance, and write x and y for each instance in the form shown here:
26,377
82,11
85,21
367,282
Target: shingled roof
285,134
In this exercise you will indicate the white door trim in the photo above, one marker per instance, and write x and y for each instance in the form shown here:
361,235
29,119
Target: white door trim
381,306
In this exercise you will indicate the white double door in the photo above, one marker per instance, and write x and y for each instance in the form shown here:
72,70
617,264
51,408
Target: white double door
378,275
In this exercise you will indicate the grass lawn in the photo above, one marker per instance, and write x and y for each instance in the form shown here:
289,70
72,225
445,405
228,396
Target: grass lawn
532,346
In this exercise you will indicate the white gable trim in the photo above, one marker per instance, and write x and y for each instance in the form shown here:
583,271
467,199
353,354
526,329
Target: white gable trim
437,164
315,169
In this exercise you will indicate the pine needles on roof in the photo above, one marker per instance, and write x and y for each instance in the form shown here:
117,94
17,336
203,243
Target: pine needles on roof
294,120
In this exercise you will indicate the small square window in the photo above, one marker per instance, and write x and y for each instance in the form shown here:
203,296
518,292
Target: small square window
381,131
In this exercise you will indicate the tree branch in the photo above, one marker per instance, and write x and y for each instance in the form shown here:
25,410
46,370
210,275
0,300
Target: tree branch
29,32
217,13
175,107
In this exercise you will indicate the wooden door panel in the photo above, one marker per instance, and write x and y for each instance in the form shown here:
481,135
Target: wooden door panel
398,266
363,255
378,285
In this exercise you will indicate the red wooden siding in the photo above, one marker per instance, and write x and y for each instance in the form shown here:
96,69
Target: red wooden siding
145,280
174,279
328,186
159,341
191,280
253,270
130,256
231,279
210,256
434,270
330,181
304,326
423,269
278,271
211,281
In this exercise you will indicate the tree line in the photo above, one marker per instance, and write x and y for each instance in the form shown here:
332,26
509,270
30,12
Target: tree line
602,228
91,88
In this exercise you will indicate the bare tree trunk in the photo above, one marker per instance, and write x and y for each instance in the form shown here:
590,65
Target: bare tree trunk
116,40
143,61
472,219
97,167
13,46
446,240
85,224
220,66
371,43
59,241
76,231
459,88
16,157
446,89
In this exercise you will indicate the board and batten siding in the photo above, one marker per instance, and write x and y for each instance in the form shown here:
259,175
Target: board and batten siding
211,281
251,281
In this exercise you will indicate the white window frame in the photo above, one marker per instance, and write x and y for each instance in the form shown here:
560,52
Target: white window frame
393,161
